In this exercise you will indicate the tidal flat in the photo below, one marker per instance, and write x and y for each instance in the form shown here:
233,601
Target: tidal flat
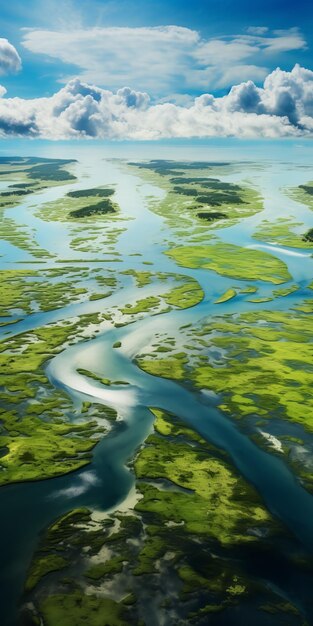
156,376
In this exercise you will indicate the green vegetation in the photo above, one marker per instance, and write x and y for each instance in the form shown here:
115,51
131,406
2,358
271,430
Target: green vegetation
303,194
209,507
146,304
187,295
282,232
189,205
110,567
73,206
80,609
228,295
32,290
183,296
101,208
36,174
264,370
232,261
196,525
37,440
20,289
170,367
189,492
42,566
309,236
51,171
285,291
99,192
100,379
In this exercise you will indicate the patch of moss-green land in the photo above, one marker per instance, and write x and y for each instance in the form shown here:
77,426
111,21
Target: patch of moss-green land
283,232
96,210
187,294
32,175
81,204
263,369
38,437
194,199
233,261
29,291
228,295
303,194
197,524
80,609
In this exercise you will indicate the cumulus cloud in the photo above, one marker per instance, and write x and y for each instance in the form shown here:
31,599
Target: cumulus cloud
161,58
10,61
282,107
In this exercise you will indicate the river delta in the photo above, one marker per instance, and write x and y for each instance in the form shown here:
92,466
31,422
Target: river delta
156,375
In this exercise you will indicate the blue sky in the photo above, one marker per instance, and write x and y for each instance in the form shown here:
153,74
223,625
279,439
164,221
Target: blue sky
212,19
156,69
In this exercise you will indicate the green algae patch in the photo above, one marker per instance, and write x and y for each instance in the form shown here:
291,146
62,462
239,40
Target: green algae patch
80,609
232,261
228,295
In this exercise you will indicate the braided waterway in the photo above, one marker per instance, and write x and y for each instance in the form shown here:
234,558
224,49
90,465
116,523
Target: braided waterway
106,483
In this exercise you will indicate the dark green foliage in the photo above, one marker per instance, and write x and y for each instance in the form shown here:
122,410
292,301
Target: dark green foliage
185,191
189,180
164,167
309,235
307,188
16,192
21,185
101,208
50,171
87,193
212,215
217,199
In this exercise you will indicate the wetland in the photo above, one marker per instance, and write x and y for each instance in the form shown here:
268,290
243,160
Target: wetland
156,408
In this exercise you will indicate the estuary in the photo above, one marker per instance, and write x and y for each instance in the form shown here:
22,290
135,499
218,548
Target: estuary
156,365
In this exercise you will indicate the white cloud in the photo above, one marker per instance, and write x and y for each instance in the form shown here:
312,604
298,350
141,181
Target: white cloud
282,107
159,59
257,30
10,61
